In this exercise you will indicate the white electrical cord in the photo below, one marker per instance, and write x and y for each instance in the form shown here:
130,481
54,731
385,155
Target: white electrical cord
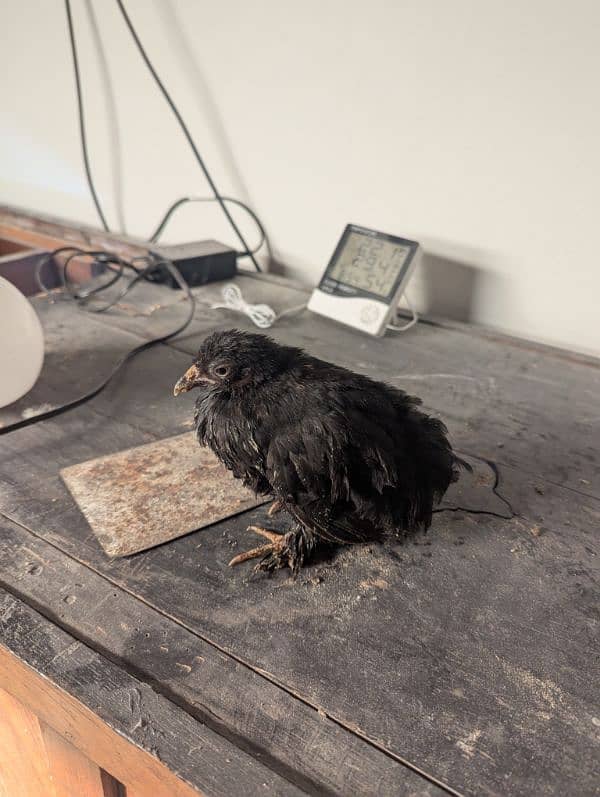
260,314
411,323
263,316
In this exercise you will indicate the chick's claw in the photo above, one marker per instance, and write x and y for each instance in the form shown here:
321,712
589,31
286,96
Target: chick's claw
262,550
275,507
278,553
274,536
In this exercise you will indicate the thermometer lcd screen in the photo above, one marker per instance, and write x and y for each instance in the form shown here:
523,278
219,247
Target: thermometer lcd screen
369,263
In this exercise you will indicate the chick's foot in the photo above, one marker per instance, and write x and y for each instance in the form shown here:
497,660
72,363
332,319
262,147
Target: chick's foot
282,551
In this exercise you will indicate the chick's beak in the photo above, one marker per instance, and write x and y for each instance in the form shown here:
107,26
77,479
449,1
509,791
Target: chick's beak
191,377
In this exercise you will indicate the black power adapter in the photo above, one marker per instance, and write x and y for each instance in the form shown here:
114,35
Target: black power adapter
198,262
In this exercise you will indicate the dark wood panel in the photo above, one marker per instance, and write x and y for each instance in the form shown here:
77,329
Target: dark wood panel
489,391
116,720
153,310
480,626
468,656
267,721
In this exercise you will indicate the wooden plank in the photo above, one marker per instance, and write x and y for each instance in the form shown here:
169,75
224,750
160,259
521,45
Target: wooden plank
80,352
268,720
23,762
71,772
457,603
468,657
487,390
116,720
30,483
474,565
153,310
49,232
490,385
496,367
35,761
487,393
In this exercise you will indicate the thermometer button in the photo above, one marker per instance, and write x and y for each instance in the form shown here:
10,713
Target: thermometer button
369,314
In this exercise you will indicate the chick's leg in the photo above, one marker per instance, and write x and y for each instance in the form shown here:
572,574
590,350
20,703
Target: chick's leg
284,550
275,507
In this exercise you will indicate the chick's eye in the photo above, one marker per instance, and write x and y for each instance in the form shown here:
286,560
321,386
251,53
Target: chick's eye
221,370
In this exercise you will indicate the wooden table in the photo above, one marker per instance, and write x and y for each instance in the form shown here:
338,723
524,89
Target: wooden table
461,662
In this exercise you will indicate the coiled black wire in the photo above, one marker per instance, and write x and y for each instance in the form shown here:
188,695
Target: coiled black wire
83,298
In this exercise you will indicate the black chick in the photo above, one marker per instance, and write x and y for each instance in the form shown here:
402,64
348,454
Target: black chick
350,459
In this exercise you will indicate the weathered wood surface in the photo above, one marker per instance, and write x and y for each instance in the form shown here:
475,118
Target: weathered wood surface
117,720
232,698
472,657
487,389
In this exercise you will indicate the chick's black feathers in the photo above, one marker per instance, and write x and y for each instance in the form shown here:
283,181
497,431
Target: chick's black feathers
349,458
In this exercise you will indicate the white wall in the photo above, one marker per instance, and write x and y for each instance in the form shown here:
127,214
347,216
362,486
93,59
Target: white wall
472,126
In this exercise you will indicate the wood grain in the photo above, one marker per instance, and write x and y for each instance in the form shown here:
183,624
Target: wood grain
117,721
35,761
470,656
23,762
71,773
233,699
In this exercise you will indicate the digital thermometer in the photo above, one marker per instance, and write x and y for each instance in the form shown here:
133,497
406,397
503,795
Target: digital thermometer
365,279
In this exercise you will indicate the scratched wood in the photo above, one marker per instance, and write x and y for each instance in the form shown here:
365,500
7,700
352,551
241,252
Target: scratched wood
496,366
460,373
115,719
269,722
475,563
469,656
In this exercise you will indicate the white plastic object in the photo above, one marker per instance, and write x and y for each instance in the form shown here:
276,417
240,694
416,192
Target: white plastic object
21,344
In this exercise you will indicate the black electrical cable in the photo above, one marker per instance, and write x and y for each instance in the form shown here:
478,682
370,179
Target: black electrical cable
218,197
99,257
153,264
109,261
83,139
185,199
82,135
494,468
